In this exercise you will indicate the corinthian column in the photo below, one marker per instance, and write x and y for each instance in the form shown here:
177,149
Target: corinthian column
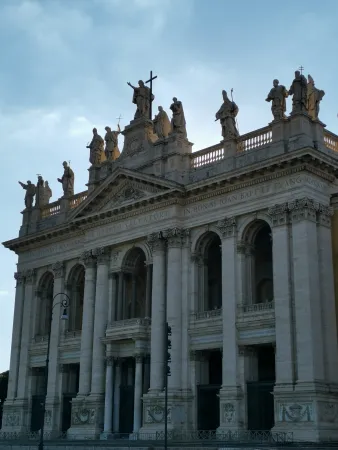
87,324
230,393
100,320
157,314
138,394
16,336
174,304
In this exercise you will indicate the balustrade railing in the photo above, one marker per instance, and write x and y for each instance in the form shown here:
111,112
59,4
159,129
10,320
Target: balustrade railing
248,141
146,321
69,334
331,140
200,315
77,199
50,210
39,338
256,307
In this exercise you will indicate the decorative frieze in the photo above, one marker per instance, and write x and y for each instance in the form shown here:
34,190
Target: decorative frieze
19,278
58,269
227,227
279,214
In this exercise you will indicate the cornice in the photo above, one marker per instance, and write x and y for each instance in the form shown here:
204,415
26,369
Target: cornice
281,166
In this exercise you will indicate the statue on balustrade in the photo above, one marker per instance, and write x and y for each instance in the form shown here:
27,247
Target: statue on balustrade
67,180
227,117
39,196
178,124
47,193
314,97
96,148
30,192
161,124
141,98
298,90
112,151
277,96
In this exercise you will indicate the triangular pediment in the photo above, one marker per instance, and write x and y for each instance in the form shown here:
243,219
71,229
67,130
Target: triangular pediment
124,187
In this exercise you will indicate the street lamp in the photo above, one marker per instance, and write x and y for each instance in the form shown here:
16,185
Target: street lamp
64,316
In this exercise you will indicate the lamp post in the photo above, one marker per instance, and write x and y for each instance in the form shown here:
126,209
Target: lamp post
64,316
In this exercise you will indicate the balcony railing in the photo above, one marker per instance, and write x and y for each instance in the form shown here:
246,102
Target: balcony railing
200,315
71,334
40,338
146,321
77,199
248,141
258,307
54,208
331,140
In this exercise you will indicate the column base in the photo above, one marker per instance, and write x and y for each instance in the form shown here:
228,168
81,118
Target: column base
309,412
179,413
15,418
87,417
231,409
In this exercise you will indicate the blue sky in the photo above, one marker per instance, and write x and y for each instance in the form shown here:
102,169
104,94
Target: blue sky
65,66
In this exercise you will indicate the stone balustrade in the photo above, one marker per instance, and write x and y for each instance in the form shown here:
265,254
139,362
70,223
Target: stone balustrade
331,140
136,328
51,209
202,315
257,307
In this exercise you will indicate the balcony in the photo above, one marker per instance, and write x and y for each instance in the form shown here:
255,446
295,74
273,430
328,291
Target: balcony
256,323
205,329
122,330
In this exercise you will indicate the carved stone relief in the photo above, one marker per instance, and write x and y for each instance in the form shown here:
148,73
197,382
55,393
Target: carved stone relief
83,416
296,412
228,413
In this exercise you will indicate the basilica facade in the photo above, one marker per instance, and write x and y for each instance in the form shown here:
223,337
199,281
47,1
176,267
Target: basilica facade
230,245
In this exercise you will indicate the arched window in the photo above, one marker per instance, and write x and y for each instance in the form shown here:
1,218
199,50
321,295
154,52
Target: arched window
44,304
209,266
259,263
75,287
135,279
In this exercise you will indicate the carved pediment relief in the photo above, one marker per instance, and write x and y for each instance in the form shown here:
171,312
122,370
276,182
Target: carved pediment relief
127,193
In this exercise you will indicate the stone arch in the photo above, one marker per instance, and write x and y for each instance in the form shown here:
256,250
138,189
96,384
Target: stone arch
75,290
134,284
209,270
44,305
257,245
197,241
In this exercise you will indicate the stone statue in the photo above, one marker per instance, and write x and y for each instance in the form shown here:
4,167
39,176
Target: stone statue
299,91
141,98
67,180
314,97
96,148
178,119
226,115
161,124
112,151
30,192
277,96
39,197
47,193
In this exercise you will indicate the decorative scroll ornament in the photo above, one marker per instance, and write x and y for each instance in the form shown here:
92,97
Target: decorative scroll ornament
88,259
155,241
19,277
58,269
227,227
174,237
279,214
304,208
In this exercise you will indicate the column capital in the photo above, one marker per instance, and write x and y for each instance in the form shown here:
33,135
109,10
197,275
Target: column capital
88,259
227,227
156,242
279,214
324,215
58,269
174,237
102,254
30,276
115,256
19,277
303,209
138,358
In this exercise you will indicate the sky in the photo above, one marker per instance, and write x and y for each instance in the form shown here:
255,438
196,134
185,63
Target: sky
65,65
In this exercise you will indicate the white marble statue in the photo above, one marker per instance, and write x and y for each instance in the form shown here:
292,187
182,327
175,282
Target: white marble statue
161,124
30,192
298,90
227,115
67,180
178,124
277,96
141,98
112,151
314,97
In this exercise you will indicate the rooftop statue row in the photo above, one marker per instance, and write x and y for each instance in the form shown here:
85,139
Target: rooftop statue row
43,193
306,97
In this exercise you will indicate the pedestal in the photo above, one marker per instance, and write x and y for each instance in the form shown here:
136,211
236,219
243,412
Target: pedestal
300,132
231,147
280,130
87,417
138,136
15,418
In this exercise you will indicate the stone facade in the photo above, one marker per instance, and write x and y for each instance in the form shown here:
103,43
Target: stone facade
231,247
